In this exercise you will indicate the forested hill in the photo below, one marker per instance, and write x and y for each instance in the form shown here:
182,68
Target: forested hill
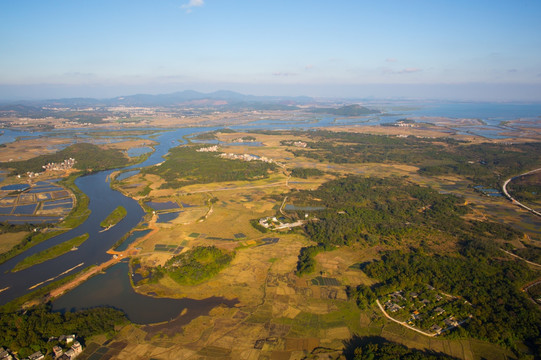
87,157
439,246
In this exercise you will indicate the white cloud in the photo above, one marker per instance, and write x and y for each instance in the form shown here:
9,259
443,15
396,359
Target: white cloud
391,60
191,4
79,74
284,74
410,70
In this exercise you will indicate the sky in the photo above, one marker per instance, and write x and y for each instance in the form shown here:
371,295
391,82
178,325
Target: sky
460,49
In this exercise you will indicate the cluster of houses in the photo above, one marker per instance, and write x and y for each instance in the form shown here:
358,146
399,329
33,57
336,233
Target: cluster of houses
30,174
243,157
273,223
396,298
246,157
244,139
65,165
402,123
298,143
5,354
208,149
69,350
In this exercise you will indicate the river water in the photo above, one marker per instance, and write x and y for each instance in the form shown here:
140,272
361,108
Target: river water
139,308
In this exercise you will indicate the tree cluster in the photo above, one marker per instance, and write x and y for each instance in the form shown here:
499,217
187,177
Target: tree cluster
305,173
185,166
393,351
28,331
501,312
196,265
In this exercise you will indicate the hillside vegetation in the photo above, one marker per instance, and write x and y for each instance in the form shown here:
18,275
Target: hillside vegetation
87,157
185,166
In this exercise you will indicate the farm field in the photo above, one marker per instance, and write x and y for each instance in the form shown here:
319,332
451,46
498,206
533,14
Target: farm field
282,315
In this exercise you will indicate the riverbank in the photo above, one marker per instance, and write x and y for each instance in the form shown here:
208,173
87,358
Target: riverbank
116,257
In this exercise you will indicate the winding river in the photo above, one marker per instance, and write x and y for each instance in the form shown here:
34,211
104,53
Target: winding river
103,200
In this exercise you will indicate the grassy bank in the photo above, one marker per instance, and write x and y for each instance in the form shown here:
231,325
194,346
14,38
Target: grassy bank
40,295
118,214
50,253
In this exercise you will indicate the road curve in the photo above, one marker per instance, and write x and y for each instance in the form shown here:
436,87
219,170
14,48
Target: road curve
518,257
513,200
401,322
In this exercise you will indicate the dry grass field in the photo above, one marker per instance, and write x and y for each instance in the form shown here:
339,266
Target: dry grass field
9,240
30,148
279,315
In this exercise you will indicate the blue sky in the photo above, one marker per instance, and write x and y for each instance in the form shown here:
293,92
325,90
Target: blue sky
386,48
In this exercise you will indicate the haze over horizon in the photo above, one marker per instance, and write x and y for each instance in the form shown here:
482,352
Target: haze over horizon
461,50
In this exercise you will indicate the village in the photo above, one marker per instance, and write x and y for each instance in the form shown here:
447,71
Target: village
62,166
273,223
67,348
243,157
425,309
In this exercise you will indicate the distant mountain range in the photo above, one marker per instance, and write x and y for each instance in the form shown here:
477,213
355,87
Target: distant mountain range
186,97
219,100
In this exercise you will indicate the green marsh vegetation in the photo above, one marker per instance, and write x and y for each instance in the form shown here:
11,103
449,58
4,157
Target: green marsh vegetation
51,252
114,217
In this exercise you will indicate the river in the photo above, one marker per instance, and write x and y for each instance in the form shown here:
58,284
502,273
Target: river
103,200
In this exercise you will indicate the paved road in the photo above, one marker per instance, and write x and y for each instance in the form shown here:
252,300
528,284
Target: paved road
504,188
